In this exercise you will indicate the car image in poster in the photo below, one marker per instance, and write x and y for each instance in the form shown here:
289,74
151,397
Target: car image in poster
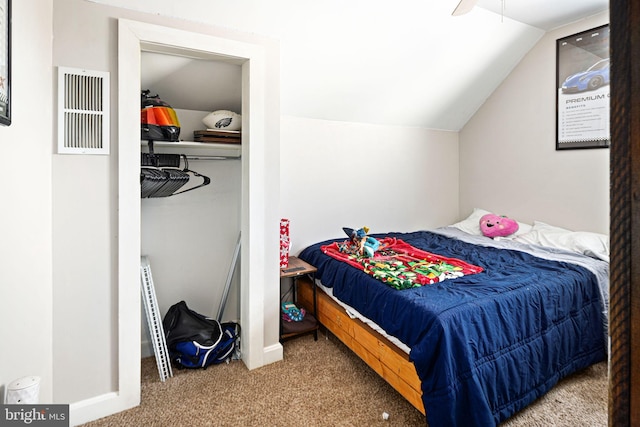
582,84
591,79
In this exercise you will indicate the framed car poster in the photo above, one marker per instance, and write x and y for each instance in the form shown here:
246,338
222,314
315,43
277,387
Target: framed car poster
582,90
5,62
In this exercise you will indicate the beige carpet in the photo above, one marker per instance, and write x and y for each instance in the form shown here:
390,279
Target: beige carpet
324,384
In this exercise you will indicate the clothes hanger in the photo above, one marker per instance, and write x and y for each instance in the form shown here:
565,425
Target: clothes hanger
160,175
155,179
205,179
151,180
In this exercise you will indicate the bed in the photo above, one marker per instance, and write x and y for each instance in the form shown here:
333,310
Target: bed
476,349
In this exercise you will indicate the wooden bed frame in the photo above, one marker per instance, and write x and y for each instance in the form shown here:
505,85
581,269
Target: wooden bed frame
384,357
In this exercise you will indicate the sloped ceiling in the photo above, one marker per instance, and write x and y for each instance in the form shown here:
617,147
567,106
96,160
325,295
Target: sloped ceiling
406,63
192,84
545,14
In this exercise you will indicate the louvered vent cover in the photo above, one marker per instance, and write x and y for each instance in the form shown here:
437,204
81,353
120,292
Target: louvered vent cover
83,111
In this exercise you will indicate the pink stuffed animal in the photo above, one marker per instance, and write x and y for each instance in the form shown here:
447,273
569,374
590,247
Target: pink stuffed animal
493,225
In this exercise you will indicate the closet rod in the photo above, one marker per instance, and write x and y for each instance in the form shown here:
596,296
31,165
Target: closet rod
196,157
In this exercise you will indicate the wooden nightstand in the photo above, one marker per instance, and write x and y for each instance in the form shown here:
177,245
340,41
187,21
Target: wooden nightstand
294,270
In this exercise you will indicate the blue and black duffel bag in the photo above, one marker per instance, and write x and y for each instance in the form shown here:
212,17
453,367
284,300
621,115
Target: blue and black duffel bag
197,341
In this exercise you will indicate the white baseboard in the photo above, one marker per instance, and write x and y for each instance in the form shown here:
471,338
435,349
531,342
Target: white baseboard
98,407
273,353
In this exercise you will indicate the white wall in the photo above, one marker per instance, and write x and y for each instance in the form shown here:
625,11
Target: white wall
389,178
508,161
84,228
25,248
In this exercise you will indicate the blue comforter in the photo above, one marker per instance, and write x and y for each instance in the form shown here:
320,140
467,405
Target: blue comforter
484,345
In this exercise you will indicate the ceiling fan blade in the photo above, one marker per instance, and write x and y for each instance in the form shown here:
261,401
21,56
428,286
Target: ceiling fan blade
463,7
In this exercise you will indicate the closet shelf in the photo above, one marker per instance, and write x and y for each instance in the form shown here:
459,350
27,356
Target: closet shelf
196,148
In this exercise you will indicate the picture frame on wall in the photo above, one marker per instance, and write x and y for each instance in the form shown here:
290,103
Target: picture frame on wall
5,62
582,90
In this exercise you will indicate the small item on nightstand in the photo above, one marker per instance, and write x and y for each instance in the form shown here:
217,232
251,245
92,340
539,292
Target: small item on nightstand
291,313
285,243
305,322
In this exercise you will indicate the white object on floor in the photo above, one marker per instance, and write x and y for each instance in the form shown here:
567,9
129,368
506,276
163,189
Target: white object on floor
24,390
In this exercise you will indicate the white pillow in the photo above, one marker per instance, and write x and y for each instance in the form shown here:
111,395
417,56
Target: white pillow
471,224
583,242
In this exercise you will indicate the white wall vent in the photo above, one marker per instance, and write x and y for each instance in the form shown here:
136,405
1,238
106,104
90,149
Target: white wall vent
83,111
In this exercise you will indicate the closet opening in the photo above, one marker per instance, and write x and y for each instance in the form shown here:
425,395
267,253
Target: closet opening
190,236
245,177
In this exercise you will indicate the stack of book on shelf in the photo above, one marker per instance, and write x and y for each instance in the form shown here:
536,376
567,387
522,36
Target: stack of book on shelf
219,136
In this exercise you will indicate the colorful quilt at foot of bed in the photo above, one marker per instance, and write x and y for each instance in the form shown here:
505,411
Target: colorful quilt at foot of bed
401,265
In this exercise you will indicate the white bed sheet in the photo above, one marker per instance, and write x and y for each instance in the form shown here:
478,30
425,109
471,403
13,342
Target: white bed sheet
354,314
